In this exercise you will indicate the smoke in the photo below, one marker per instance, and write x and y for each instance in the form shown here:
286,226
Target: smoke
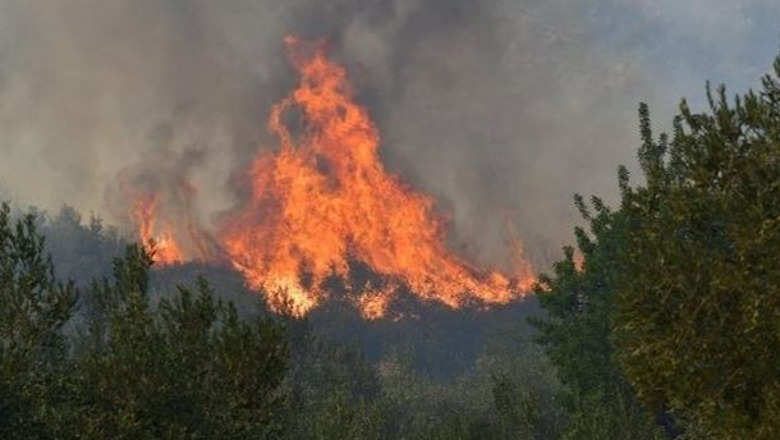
501,109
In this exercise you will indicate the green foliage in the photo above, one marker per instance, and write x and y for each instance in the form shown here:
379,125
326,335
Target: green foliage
576,332
525,409
33,309
334,392
187,368
699,307
128,361
33,305
524,389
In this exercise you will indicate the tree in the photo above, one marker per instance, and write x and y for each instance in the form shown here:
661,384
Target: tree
33,309
189,368
334,393
576,332
698,309
81,252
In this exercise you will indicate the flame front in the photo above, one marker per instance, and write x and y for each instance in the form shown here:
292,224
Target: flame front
165,248
319,202
324,198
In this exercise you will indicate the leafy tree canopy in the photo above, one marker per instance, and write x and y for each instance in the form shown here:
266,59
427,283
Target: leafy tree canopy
698,325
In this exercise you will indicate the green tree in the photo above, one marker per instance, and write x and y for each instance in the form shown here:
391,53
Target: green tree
33,309
189,368
576,332
186,367
334,392
698,323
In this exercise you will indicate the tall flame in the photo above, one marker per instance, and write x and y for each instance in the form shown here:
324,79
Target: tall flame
322,201
324,198
166,250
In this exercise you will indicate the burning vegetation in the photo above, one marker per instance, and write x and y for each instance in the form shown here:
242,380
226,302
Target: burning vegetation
324,200
160,237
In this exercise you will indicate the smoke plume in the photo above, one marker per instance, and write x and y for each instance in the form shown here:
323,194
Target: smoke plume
500,109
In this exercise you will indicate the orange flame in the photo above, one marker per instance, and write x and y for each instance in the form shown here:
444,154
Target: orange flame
324,198
374,305
164,247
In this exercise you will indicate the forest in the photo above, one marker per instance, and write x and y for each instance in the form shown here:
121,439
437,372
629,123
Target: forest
661,322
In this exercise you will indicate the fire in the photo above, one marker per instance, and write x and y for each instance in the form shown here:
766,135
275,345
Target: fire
164,247
322,201
324,198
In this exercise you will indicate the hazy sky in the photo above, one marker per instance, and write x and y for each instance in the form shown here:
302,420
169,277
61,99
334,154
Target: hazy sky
499,108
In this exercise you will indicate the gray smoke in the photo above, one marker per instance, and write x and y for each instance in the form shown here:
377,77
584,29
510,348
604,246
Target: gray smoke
502,109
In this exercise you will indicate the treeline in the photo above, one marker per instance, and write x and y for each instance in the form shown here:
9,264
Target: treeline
102,363
128,356
662,323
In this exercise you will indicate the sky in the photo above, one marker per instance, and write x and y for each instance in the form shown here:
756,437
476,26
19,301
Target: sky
500,109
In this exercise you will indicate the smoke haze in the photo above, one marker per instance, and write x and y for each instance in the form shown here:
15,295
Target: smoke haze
501,109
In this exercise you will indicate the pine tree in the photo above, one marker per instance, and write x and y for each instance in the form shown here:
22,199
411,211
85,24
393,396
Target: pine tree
34,307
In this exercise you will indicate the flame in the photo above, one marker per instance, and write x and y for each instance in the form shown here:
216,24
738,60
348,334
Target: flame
374,305
319,202
165,249
579,260
324,198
